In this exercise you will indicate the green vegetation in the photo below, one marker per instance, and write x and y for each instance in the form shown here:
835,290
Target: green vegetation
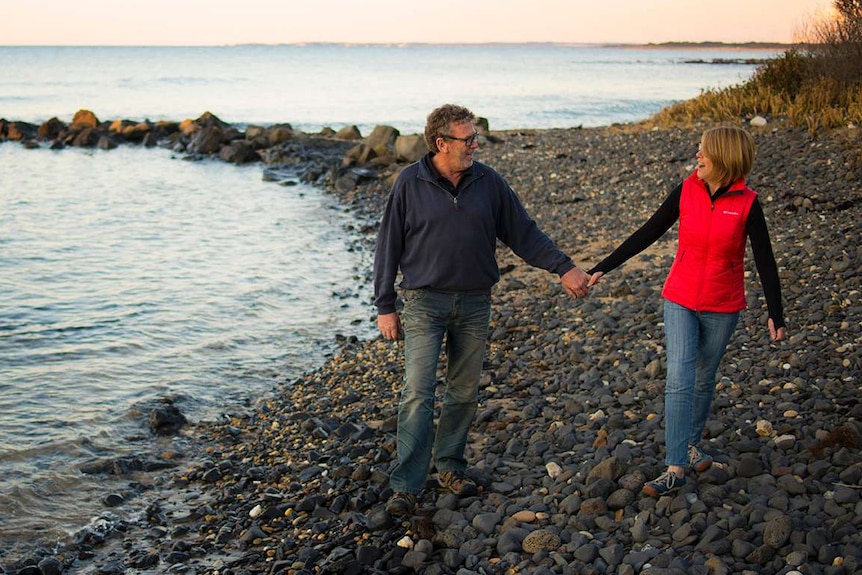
817,84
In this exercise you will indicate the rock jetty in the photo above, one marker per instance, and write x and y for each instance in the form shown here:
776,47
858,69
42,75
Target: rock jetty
344,158
570,419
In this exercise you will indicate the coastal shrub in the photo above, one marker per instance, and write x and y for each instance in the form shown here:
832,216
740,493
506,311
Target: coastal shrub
817,84
835,44
786,73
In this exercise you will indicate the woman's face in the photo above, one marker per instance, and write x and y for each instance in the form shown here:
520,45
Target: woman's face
705,168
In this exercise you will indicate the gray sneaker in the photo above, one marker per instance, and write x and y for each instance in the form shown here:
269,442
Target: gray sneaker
666,483
698,460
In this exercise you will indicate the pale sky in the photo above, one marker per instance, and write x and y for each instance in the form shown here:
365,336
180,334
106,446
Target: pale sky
220,22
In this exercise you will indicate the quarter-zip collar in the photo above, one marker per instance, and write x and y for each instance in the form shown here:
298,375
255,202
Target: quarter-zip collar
431,174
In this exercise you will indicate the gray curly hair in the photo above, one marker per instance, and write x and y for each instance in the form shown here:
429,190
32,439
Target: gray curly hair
440,119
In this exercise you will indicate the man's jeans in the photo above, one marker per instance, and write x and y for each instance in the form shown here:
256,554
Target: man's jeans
427,317
696,342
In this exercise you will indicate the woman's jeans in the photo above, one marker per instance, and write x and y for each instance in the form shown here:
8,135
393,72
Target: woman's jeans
695,342
427,317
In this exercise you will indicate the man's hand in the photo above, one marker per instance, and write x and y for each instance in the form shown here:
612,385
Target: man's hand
575,282
389,325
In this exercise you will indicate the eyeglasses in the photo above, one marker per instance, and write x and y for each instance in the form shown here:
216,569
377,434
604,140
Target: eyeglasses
468,141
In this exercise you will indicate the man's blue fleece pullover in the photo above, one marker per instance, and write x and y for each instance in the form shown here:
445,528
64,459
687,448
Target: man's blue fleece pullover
447,242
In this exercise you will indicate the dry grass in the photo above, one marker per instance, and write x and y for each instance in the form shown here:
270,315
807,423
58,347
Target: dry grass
824,104
817,85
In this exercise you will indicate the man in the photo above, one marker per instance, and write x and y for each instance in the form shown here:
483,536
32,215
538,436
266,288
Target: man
440,227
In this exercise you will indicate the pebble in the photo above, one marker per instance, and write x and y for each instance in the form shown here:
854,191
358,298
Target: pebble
541,540
571,401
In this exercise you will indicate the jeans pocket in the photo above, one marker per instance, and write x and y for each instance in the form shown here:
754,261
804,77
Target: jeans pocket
412,295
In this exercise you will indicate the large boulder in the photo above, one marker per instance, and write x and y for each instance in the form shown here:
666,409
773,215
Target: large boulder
21,131
410,148
359,155
165,128
84,119
238,152
138,132
188,127
382,139
348,133
257,137
106,143
86,138
117,126
206,140
254,132
210,120
280,134
205,120
166,419
51,129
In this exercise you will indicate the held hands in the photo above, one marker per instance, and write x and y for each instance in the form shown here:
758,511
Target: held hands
576,282
389,325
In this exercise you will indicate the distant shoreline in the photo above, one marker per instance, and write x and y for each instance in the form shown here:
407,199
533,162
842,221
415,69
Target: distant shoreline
622,45
771,46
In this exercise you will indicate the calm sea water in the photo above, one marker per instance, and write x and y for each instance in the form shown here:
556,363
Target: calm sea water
131,275
515,86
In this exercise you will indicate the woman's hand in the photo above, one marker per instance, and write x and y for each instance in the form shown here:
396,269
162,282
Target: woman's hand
594,279
776,334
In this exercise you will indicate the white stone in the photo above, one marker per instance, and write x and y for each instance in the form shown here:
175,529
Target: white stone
785,441
764,428
256,511
758,121
554,470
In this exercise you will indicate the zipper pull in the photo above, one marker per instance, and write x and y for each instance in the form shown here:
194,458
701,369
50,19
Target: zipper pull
455,201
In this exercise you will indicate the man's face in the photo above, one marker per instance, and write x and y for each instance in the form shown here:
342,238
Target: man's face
459,144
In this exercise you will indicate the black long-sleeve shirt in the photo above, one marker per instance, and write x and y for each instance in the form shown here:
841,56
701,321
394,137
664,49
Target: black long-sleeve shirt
668,214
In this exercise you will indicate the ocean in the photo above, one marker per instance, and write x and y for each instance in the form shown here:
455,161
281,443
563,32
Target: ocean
131,276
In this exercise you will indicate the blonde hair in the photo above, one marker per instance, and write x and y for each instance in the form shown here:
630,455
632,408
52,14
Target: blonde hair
731,151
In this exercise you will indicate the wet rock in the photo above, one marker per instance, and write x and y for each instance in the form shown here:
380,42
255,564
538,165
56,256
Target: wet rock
166,419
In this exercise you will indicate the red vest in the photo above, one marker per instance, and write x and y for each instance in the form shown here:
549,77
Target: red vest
707,272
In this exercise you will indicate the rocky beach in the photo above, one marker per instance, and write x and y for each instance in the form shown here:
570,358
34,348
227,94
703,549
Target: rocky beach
570,419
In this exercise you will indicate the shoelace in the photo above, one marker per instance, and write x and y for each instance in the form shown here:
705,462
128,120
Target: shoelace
693,454
668,478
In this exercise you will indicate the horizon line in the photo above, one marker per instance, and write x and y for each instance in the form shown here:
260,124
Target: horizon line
301,44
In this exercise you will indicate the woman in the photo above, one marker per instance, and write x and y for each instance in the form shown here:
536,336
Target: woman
704,290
